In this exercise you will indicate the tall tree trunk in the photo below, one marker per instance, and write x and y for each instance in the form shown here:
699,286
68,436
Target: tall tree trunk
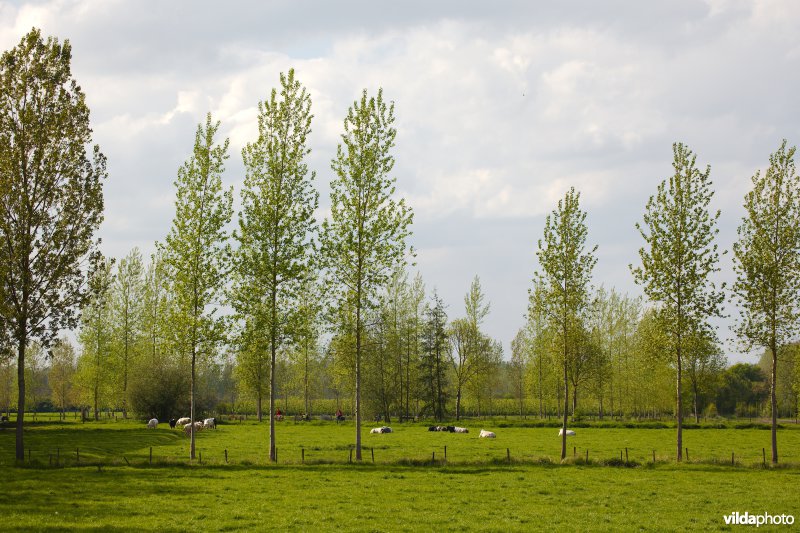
191,406
566,409
22,341
774,402
358,381
679,404
259,400
273,352
458,403
694,399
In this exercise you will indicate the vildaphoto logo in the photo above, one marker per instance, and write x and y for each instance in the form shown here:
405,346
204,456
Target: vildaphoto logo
747,519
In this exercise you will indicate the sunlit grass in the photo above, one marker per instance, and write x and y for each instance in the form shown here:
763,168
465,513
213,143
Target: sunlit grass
409,487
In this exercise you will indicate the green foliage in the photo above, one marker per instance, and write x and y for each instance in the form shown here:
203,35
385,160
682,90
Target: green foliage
275,226
364,240
470,351
127,299
679,257
51,193
95,365
434,358
565,278
767,265
196,253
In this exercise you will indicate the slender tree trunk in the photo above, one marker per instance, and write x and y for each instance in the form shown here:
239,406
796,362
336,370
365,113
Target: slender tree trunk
259,409
191,405
694,399
679,404
22,341
774,402
541,392
458,403
305,382
273,352
358,376
566,409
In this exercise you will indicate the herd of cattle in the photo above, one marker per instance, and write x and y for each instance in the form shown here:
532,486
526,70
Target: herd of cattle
211,423
185,423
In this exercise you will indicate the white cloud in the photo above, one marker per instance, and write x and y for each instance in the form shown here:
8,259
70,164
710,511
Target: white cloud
499,112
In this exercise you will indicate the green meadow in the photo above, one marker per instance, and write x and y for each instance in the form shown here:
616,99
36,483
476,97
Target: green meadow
99,476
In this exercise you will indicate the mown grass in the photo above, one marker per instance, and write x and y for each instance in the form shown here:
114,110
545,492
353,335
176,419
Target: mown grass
408,488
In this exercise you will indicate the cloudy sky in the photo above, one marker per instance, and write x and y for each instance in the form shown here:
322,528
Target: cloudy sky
501,107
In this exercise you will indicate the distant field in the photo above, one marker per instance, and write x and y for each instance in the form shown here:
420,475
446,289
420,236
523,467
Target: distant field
404,490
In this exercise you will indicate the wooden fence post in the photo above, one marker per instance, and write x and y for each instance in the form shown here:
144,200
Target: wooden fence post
626,454
303,455
351,456
508,454
445,454
687,455
372,451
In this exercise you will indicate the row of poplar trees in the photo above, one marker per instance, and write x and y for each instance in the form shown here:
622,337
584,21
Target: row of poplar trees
53,205
678,261
269,276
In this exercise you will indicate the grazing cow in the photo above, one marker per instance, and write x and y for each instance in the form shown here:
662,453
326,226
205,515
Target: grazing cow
460,430
570,433
182,421
198,426
383,429
210,423
152,423
172,423
487,434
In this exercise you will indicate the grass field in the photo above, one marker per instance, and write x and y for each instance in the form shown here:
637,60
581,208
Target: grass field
114,486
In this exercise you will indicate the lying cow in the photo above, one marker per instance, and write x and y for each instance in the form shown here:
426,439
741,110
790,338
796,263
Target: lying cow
460,430
182,421
210,423
383,429
570,433
152,423
487,434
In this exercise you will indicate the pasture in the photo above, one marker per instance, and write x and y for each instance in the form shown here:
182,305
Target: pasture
111,483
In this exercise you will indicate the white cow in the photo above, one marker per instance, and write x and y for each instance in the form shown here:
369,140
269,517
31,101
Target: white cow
570,433
487,434
152,423
183,421
460,430
383,429
210,423
198,426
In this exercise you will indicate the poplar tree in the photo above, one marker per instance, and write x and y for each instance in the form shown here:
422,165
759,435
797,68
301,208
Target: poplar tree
195,253
565,282
127,298
51,197
470,347
364,240
678,259
767,266
95,364
276,223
